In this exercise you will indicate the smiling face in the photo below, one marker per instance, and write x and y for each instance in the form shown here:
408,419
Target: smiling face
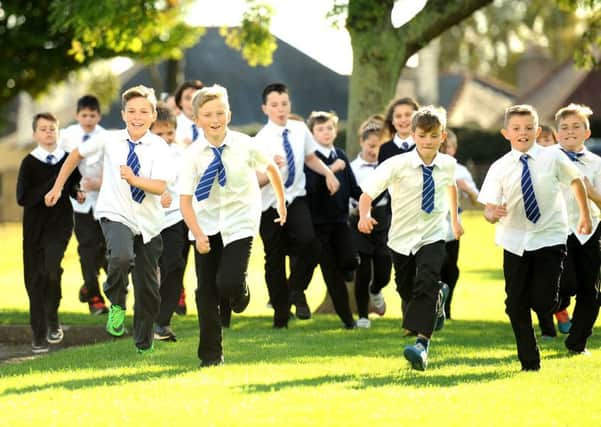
572,132
521,131
401,120
277,107
46,134
213,117
138,115
427,143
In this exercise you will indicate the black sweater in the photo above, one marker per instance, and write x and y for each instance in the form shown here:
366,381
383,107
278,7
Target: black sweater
325,208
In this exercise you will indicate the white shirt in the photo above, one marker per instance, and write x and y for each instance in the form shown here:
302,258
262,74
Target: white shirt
183,131
589,166
114,199
398,141
361,170
411,227
502,185
233,210
91,167
271,141
41,154
172,214
463,173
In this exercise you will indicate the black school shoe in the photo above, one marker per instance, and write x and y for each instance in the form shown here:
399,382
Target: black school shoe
240,303
40,346
55,336
164,333
211,363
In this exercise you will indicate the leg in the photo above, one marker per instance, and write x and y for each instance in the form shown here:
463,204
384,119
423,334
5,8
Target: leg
120,253
362,281
404,276
449,272
231,275
92,252
54,251
35,283
172,264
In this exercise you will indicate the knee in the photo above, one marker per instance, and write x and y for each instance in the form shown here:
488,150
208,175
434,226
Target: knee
120,262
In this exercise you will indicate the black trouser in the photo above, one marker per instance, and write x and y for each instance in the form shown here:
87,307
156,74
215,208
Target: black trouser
43,272
172,264
296,237
127,252
373,271
220,273
581,278
417,277
531,283
450,272
91,249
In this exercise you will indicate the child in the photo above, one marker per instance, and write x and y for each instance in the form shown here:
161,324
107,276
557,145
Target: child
580,275
291,145
417,182
46,231
90,241
466,185
520,195
137,167
219,171
186,132
329,213
547,136
375,263
397,123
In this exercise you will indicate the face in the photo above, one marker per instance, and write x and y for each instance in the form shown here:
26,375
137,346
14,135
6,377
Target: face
325,133
450,149
572,132
427,143
165,130
277,108
545,139
87,119
213,118
370,148
46,134
401,119
138,115
521,132
186,101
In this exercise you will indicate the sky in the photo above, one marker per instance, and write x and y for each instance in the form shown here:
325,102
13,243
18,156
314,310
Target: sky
302,24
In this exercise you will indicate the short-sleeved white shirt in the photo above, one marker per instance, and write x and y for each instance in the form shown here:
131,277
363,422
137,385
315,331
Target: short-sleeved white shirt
233,210
183,130
502,185
411,227
172,214
589,166
462,173
270,139
114,199
361,170
71,138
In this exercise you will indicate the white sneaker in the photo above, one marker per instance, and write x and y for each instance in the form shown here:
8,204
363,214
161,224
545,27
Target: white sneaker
377,300
363,322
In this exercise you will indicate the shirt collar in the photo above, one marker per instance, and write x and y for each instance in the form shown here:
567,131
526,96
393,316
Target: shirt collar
361,161
416,161
41,152
398,141
204,142
325,151
146,138
277,128
532,152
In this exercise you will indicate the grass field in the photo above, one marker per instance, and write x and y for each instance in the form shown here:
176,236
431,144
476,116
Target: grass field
315,373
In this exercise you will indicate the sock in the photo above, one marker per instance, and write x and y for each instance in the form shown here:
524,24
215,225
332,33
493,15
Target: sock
423,341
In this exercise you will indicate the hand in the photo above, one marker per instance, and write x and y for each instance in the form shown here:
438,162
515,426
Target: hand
127,174
280,161
52,196
187,141
366,225
499,212
338,165
282,214
81,197
166,199
457,229
332,183
202,244
584,225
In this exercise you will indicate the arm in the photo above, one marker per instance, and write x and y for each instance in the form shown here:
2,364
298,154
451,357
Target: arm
366,222
455,225
185,206
149,185
262,178
68,167
316,165
493,213
592,192
28,193
273,173
584,223
464,186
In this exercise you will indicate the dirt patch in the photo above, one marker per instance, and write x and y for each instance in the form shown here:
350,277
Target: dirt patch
15,340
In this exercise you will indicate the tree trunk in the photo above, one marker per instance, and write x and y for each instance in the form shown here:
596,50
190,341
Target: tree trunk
174,74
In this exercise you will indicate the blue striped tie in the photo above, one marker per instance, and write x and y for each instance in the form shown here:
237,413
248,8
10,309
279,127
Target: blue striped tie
85,137
134,163
206,181
428,189
575,157
194,132
289,159
532,212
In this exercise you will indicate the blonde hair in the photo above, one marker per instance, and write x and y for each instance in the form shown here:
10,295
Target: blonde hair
319,117
520,110
428,118
139,91
209,93
374,125
580,110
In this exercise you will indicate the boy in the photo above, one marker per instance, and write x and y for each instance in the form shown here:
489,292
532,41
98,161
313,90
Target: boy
580,275
186,132
291,145
90,241
136,171
520,195
46,231
417,182
221,204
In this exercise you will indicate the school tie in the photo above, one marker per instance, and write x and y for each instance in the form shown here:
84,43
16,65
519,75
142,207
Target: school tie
50,159
332,156
289,159
575,157
85,137
532,211
405,145
215,168
194,132
428,189
369,165
134,163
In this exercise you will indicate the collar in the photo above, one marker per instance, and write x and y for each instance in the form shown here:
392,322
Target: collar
361,161
146,138
398,141
533,152
41,153
277,129
325,151
416,161
204,142
183,120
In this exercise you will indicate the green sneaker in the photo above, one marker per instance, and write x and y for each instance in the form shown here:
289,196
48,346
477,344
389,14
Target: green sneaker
116,320
145,351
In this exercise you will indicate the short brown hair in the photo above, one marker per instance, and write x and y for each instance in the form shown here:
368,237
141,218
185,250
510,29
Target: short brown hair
429,118
165,114
46,116
188,84
580,110
520,110
319,117
139,91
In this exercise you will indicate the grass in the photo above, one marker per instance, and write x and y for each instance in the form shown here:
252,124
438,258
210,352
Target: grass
315,373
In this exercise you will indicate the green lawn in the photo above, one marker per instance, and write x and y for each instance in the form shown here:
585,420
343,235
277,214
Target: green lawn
315,373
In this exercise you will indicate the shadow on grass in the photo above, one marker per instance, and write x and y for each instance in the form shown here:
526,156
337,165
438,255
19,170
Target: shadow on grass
487,273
